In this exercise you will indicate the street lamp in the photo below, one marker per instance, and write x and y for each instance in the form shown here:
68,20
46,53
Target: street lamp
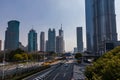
3,65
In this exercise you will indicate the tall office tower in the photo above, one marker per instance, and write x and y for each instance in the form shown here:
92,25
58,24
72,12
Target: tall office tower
51,40
89,25
60,42
42,41
12,35
101,15
79,39
61,32
0,44
32,41
104,24
47,46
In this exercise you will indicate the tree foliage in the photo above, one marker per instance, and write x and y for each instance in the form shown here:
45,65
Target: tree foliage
106,67
18,57
78,55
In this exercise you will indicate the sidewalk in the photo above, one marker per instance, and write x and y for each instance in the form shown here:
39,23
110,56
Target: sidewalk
78,72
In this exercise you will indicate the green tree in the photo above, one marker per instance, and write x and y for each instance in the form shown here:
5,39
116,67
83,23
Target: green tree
25,56
78,55
30,57
106,67
18,57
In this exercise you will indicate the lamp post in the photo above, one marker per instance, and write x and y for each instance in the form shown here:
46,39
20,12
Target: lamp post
3,66
44,56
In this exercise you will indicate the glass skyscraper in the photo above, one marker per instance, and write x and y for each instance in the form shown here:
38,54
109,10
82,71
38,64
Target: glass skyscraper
89,24
51,40
12,35
60,42
79,39
32,41
100,23
42,41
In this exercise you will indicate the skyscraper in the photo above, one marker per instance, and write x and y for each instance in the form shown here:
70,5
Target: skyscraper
12,35
105,22
61,32
42,41
32,41
47,46
51,40
79,39
89,24
60,42
101,13
0,44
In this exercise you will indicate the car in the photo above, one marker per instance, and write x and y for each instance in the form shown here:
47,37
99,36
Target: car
66,65
19,66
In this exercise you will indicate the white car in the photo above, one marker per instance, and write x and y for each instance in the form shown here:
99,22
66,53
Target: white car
20,66
66,65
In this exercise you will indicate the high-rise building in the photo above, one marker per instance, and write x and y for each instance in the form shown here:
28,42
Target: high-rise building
12,35
61,32
60,42
101,14
32,41
42,41
51,40
105,24
0,44
79,39
89,24
75,50
47,47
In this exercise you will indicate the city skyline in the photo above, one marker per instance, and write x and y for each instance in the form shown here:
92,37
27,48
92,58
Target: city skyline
55,17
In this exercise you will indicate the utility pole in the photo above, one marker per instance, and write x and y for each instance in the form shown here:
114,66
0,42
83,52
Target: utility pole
3,66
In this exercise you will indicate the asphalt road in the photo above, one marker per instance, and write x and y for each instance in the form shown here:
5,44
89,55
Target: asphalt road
64,72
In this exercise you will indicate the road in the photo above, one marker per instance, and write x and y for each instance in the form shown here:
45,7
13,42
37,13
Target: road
64,72
59,71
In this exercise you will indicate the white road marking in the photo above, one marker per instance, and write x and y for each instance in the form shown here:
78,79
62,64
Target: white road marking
64,75
55,76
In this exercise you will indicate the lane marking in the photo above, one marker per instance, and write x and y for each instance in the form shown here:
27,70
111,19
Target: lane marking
64,75
55,76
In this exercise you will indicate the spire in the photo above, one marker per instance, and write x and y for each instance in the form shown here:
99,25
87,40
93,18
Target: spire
61,26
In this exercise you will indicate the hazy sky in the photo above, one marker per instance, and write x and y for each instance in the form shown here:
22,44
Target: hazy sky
44,14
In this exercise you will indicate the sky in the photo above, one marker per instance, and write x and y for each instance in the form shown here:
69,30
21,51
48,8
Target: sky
44,14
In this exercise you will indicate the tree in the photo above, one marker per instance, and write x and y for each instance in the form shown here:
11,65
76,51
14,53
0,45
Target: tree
30,57
18,57
25,56
78,55
14,52
106,67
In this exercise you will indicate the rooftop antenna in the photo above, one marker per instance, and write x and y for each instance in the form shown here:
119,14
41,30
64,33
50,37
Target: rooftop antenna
32,27
61,26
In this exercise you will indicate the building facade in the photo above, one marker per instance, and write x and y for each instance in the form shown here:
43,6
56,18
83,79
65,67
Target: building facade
32,41
12,35
51,40
104,23
60,42
42,41
89,25
79,39
47,46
